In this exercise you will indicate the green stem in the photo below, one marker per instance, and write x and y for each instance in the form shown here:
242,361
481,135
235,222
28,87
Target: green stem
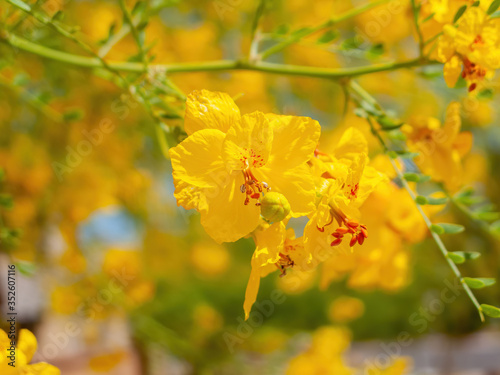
220,65
415,12
325,25
135,34
363,94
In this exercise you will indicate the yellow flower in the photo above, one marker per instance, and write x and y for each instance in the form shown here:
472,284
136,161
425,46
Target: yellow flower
344,182
23,353
440,147
276,249
344,309
471,49
228,161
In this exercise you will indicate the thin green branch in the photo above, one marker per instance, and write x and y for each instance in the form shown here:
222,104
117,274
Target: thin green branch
416,10
221,65
364,95
135,34
325,25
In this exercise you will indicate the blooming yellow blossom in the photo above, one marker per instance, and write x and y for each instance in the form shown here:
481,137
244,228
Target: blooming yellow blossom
440,147
229,161
344,182
472,49
23,353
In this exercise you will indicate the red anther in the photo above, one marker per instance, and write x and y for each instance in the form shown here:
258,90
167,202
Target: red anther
255,196
336,242
364,232
360,238
352,224
472,87
342,230
337,235
247,200
354,239
320,229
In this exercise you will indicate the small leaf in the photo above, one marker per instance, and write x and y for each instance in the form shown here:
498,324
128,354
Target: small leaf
6,201
459,13
438,229
392,154
26,268
360,112
478,282
73,115
421,200
495,228
491,311
437,201
407,155
387,123
451,228
328,36
412,177
493,7
468,255
487,216
456,258
282,30
428,18
22,5
476,4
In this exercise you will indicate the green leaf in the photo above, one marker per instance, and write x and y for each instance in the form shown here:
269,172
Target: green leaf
437,201
22,5
421,200
26,268
6,201
392,154
487,216
476,3
376,50
282,30
438,229
493,7
428,18
360,112
478,282
495,228
468,255
412,177
73,115
451,228
407,155
459,13
491,311
388,124
456,258
328,36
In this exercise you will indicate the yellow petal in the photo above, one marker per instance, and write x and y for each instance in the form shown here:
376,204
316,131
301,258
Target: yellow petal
226,218
210,110
452,70
269,243
27,344
248,142
197,160
452,123
351,143
463,143
251,291
296,184
295,139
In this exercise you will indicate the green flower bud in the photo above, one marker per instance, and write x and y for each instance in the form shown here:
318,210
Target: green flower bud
274,207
